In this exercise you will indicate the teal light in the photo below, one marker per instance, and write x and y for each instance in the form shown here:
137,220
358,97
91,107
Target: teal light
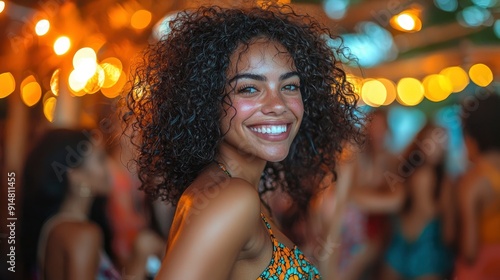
446,5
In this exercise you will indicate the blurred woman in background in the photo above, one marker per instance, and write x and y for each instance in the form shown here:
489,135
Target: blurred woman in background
479,190
424,227
63,174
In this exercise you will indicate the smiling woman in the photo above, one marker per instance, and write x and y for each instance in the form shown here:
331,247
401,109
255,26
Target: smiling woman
232,98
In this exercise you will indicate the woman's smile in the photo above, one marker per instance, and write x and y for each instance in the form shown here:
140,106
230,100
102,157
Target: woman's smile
267,106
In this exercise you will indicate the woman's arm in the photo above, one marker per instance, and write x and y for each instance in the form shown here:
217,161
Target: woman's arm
84,248
211,233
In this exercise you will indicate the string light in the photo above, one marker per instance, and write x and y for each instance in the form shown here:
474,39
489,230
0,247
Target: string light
7,84
42,27
410,91
481,74
62,45
141,19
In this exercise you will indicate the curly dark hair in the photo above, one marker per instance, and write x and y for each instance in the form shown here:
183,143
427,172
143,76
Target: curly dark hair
178,89
480,117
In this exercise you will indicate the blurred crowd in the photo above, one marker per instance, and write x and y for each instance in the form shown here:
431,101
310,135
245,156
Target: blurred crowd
381,215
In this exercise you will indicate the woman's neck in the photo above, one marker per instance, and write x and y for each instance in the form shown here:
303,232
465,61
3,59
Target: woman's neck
76,206
244,166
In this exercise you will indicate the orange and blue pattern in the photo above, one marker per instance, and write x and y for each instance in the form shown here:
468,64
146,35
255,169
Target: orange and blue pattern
287,264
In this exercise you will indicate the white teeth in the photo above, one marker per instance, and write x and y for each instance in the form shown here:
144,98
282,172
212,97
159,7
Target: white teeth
270,129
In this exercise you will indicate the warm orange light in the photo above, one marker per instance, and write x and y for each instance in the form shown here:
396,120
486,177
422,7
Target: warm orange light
77,82
407,21
62,45
118,17
31,93
2,6
95,82
390,88
54,82
27,80
373,93
7,84
112,67
141,19
458,77
42,27
115,90
49,107
84,62
437,87
481,74
410,91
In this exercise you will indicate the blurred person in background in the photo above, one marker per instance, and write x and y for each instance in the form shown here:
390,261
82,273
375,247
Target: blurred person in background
370,197
63,174
479,190
137,234
423,231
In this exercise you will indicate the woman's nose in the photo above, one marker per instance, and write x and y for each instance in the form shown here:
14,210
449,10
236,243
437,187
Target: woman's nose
273,102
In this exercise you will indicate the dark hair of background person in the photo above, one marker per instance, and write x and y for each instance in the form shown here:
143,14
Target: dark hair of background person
179,88
480,119
415,157
44,188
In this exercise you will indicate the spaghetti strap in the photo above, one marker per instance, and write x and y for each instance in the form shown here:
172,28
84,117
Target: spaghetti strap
268,226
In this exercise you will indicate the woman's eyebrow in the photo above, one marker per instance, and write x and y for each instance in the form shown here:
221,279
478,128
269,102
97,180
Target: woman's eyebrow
262,77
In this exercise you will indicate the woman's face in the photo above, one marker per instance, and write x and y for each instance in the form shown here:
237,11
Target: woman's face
264,88
96,172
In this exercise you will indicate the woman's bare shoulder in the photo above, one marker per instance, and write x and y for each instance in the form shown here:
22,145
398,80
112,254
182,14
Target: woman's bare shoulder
75,235
220,196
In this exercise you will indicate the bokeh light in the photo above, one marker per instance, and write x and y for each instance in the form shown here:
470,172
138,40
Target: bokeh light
481,74
373,93
31,93
437,87
390,88
2,6
85,58
62,45
115,90
446,5
473,16
335,9
49,107
27,80
496,28
141,19
54,82
77,81
7,84
42,27
457,76
410,91
95,82
407,21
485,3
112,67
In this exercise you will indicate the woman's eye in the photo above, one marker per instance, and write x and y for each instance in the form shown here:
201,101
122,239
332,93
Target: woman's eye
247,90
291,87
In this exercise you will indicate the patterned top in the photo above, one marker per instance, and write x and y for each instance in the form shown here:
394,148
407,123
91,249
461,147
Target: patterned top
287,264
